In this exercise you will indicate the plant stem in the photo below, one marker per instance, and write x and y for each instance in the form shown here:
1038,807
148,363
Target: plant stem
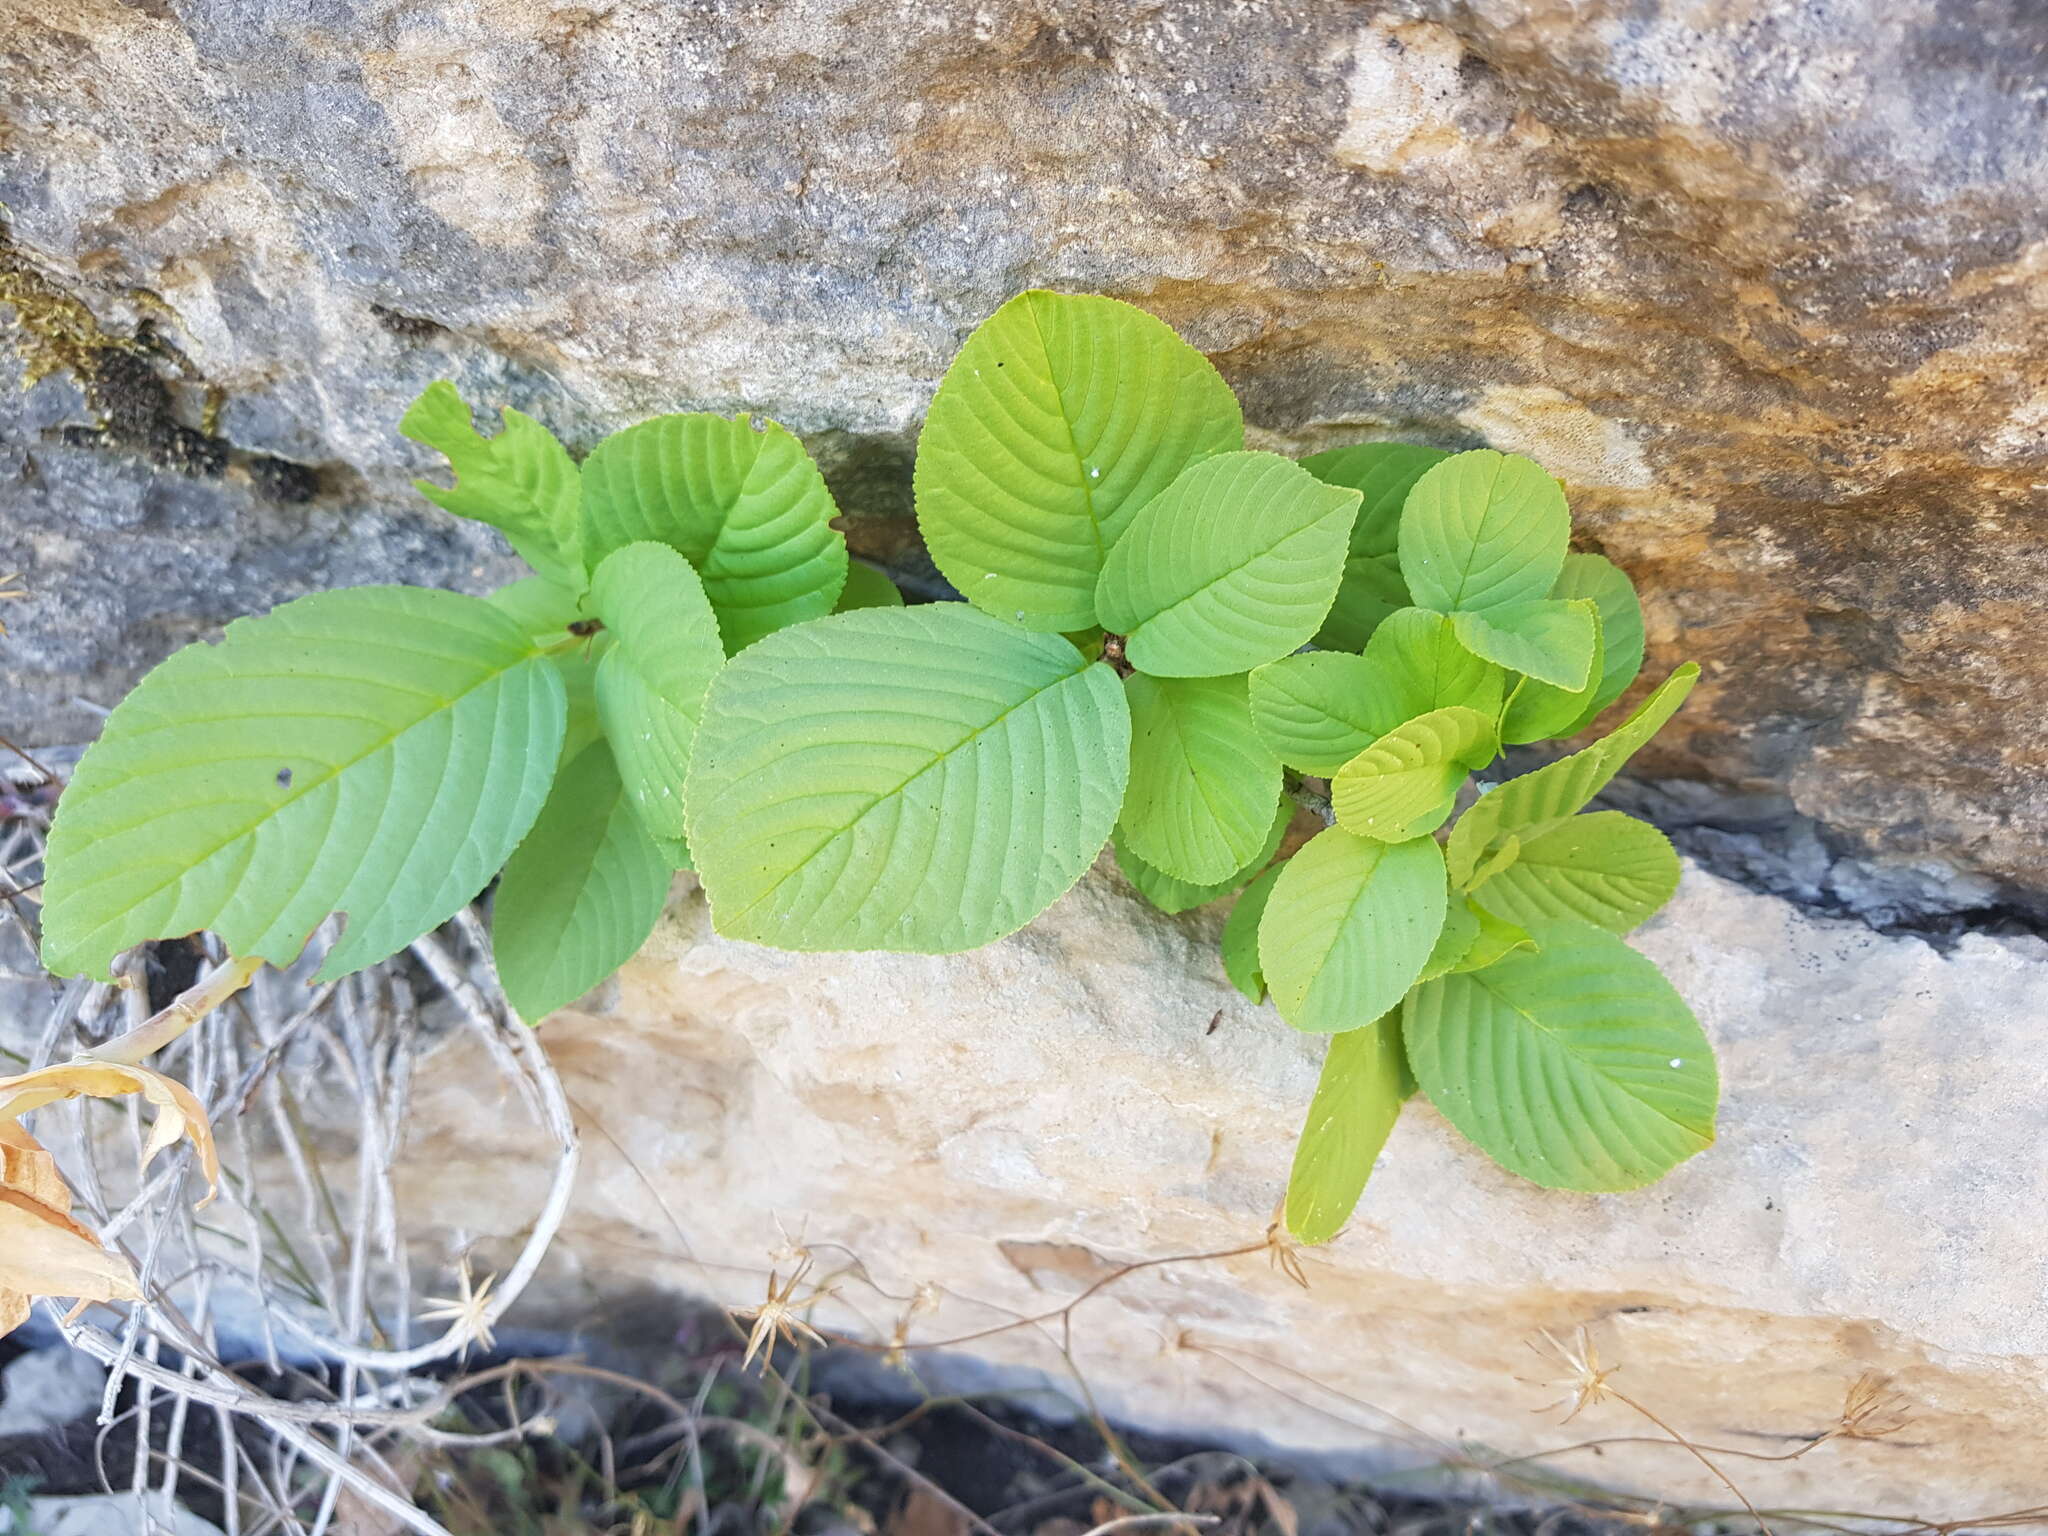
185,1010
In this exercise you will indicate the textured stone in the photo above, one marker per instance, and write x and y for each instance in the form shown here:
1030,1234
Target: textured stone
1766,282
1016,1124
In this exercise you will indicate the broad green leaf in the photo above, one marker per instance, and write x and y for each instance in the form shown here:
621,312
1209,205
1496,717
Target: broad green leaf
1603,868
1418,654
1202,783
544,609
1240,942
1372,587
1461,932
377,751
1232,565
1529,805
578,671
580,895
1371,591
1358,1098
1549,639
1495,939
1171,895
867,587
1537,711
1061,416
1348,928
1319,709
1603,583
1411,774
1483,530
922,779
522,482
651,679
1503,854
737,497
1576,1066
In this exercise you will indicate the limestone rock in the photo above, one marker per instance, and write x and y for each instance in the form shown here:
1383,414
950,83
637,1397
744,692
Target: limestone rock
1767,283
1017,1124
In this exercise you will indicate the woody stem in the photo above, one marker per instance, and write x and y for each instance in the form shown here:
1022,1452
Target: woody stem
185,1010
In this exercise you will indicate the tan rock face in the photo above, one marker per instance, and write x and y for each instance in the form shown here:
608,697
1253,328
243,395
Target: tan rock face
1767,283
1016,1125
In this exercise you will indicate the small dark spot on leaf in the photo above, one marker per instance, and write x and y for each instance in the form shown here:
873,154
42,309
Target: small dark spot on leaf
284,778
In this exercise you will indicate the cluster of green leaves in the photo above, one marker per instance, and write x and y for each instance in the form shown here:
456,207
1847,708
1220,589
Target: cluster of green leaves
1167,641
384,752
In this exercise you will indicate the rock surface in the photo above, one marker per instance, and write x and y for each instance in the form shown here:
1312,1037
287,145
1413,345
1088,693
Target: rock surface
1766,282
1013,1126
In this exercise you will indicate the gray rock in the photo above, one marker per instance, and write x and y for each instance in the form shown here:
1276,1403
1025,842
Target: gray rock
110,1514
1015,1125
1767,284
49,1388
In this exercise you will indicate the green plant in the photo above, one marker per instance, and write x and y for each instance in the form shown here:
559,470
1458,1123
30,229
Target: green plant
1131,665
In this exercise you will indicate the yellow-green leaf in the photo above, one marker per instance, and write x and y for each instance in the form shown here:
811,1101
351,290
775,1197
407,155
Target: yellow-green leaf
737,497
922,779
1576,1065
1060,418
377,751
1232,565
1348,928
1483,530
1358,1098
1402,785
1603,867
1528,806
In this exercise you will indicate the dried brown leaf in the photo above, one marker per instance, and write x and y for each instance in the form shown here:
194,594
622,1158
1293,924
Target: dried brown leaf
43,1252
179,1113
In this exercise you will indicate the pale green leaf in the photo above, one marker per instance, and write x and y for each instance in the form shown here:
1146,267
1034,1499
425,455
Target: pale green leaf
1202,783
1576,1066
1358,1098
581,894
1604,868
1495,938
1501,856
1232,565
1549,639
377,751
1348,928
544,609
1169,894
1529,805
1607,587
522,482
1410,774
651,679
1372,587
1319,709
1461,932
578,670
1538,711
867,587
1418,654
922,779
1061,416
1482,530
737,497
1371,591
1240,942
